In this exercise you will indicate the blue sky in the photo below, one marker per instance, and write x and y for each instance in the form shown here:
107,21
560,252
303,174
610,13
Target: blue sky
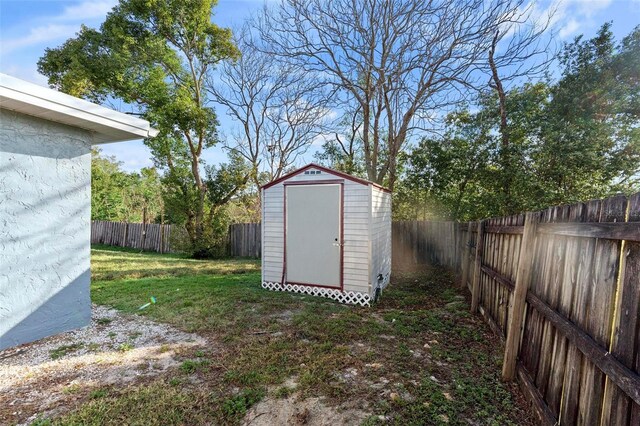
27,27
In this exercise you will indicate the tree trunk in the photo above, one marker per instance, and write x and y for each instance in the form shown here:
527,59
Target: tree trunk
505,155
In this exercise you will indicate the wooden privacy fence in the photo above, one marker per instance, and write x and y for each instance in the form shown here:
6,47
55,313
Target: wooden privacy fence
424,242
562,288
150,236
245,240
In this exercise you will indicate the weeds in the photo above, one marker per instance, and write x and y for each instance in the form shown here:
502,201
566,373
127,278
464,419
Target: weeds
238,405
61,351
125,347
190,366
416,357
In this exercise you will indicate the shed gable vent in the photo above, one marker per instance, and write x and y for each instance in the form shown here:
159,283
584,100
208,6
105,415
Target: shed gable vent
312,172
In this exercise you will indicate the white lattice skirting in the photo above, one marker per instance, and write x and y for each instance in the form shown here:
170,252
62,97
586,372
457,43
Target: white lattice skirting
351,297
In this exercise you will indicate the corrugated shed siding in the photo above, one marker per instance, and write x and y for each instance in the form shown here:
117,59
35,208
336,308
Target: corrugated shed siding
273,233
380,235
356,273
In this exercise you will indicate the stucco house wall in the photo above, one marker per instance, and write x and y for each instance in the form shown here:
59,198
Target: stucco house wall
45,205
45,215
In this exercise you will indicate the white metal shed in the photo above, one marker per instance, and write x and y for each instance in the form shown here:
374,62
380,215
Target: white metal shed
326,233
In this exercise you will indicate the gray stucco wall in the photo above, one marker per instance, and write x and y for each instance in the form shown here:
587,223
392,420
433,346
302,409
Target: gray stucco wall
45,213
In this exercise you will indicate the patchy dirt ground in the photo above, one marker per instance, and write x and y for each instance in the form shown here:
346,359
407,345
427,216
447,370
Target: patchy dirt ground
295,410
40,377
417,357
292,411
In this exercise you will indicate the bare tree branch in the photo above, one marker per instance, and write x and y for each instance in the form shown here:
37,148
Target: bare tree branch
402,62
280,107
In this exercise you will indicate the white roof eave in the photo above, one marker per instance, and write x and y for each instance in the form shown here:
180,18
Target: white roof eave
106,124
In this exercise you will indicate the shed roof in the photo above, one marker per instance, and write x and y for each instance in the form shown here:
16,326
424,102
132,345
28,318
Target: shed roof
326,170
106,124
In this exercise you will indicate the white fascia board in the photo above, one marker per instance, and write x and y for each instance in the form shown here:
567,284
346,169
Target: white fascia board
106,124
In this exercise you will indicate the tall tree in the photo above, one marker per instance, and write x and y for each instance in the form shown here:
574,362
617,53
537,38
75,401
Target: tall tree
120,196
279,108
155,56
592,132
521,49
569,141
400,63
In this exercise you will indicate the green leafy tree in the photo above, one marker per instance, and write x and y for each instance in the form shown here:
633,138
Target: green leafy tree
155,55
572,140
592,137
107,181
442,174
124,197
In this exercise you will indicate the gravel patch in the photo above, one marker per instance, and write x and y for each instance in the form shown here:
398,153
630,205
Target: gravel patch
115,348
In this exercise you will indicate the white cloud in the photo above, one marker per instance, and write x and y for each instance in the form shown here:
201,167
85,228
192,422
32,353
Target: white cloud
569,17
86,10
568,29
590,7
58,27
39,34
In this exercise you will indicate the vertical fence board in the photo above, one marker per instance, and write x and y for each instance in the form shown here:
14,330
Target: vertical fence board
617,405
466,243
518,298
475,293
598,322
555,375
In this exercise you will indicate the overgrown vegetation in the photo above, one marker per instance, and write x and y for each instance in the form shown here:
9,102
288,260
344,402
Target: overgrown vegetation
417,357
570,140
119,196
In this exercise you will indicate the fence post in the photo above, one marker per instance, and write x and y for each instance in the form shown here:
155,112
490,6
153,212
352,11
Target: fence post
466,240
519,296
475,290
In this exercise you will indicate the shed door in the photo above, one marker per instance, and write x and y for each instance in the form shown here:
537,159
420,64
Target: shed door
313,234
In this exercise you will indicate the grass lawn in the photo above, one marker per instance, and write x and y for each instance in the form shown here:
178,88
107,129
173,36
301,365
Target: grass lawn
417,357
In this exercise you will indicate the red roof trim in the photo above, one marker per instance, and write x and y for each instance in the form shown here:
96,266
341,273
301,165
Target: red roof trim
324,169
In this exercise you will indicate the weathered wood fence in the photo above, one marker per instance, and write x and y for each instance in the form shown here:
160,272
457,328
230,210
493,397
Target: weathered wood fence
562,288
424,242
150,236
245,240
